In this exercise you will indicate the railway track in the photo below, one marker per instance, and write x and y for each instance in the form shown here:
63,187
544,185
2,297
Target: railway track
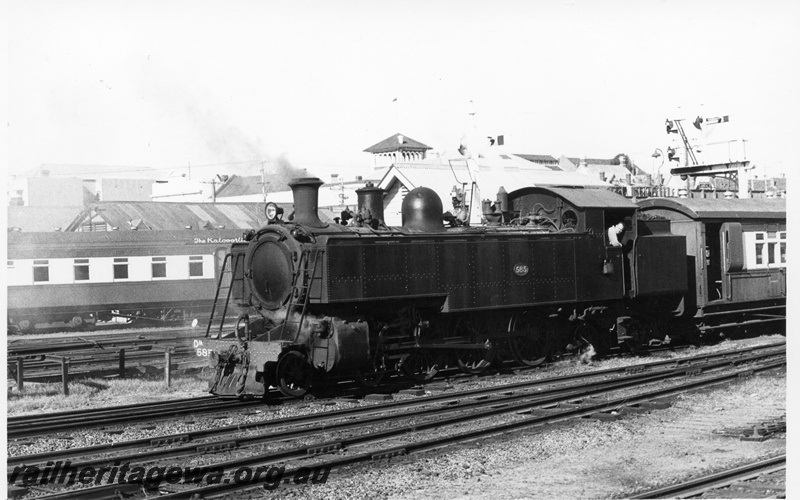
26,426
35,425
761,479
525,404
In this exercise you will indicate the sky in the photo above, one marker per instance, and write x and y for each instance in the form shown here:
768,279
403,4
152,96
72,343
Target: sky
231,84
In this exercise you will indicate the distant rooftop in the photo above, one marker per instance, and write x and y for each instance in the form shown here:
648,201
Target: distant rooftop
397,142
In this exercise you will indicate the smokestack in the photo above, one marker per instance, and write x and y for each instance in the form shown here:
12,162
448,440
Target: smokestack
370,198
306,201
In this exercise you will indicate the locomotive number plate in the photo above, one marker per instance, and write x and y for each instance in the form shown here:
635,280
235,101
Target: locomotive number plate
521,269
200,350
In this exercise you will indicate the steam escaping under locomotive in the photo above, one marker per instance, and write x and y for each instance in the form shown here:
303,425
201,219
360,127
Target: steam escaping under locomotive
549,272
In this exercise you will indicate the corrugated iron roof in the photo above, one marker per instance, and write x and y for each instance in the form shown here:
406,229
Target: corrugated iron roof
537,158
153,216
716,208
172,216
546,160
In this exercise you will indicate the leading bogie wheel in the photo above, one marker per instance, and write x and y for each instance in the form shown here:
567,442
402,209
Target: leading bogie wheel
294,374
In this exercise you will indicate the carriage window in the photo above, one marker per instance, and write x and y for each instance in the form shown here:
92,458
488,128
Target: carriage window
81,269
41,271
195,266
121,268
159,267
782,236
768,248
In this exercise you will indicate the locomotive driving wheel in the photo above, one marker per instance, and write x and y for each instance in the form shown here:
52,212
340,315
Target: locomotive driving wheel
528,342
294,374
474,361
420,365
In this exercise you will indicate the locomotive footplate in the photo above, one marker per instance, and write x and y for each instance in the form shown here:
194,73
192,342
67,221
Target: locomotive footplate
444,346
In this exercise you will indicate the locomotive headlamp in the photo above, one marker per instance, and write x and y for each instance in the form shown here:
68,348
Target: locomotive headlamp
272,211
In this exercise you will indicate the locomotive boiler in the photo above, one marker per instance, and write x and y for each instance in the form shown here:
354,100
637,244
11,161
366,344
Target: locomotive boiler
317,301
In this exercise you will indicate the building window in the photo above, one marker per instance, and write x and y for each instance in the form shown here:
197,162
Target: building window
10,264
41,271
81,269
120,268
195,266
159,267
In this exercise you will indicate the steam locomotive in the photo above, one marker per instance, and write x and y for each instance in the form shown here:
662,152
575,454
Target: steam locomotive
544,275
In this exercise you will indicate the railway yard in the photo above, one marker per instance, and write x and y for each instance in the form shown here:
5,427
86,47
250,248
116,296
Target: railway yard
577,345
613,428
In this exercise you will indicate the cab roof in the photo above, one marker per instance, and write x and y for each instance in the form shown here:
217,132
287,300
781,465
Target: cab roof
581,197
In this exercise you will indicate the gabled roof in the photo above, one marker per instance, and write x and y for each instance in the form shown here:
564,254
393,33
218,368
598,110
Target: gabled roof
397,142
546,160
537,158
168,216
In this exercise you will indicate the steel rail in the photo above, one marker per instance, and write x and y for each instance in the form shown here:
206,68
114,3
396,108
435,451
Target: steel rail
717,479
379,408
495,409
507,397
49,423
434,443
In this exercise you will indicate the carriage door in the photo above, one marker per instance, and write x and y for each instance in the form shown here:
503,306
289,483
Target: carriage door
732,249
